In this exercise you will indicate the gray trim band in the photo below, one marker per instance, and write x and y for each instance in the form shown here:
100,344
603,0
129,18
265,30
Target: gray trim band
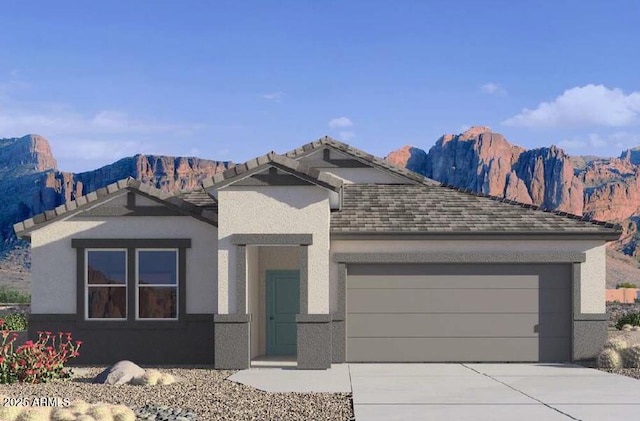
126,211
231,318
262,180
474,236
80,243
591,316
272,239
458,257
313,318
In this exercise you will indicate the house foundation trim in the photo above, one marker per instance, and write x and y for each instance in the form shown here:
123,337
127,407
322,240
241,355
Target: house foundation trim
314,341
231,341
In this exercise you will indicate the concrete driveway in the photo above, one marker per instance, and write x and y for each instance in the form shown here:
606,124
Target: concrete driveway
493,392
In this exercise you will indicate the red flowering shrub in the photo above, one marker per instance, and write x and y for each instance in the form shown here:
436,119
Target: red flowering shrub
36,362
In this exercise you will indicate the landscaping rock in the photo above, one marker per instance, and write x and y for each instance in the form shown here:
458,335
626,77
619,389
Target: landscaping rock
120,373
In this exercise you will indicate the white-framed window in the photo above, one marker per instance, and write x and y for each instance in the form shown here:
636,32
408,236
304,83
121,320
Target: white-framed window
156,284
106,284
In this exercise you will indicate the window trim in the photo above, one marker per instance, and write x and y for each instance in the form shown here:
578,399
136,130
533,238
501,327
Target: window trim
138,286
86,286
81,244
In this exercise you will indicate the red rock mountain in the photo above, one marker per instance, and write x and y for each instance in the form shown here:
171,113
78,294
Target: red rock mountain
484,161
30,182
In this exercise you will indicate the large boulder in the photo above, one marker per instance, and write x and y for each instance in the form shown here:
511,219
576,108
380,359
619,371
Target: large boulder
121,372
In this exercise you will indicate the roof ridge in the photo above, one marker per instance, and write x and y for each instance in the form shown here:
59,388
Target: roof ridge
533,207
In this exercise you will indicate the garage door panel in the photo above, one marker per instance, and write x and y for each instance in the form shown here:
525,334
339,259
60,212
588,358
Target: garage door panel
446,282
467,312
457,349
455,300
456,325
440,275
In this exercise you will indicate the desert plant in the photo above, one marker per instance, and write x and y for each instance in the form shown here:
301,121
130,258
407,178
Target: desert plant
609,358
632,319
36,362
152,378
631,357
616,344
10,413
626,285
15,321
62,414
100,412
122,413
13,296
34,414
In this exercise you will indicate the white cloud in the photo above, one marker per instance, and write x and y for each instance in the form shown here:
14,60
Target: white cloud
340,122
84,140
613,141
347,135
62,121
95,149
273,96
590,105
493,88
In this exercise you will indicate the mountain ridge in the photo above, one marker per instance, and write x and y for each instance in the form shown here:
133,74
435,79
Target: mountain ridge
477,159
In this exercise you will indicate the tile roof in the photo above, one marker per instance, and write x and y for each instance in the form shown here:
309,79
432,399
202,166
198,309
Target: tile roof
362,156
86,201
198,197
292,166
374,208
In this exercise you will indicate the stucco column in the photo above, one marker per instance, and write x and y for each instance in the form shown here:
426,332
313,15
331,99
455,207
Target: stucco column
313,330
232,331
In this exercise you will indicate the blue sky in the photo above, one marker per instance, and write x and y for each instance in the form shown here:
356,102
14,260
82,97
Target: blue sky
230,80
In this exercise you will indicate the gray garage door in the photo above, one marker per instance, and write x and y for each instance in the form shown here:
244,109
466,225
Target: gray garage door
463,312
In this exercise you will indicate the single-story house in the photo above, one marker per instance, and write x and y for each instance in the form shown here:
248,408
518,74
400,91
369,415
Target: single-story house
326,254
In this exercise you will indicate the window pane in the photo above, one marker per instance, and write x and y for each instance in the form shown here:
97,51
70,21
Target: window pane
157,267
106,267
107,302
158,303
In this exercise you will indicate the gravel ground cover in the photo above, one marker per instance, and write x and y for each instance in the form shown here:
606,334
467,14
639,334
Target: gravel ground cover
201,389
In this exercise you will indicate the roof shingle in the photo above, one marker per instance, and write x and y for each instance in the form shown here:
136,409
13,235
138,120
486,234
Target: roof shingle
376,208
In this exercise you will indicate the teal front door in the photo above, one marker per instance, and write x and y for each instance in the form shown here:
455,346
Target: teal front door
283,303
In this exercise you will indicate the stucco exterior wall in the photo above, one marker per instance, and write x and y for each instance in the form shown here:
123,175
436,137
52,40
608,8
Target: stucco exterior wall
53,272
274,210
593,285
593,269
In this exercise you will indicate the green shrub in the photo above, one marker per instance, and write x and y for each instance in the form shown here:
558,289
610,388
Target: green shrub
13,296
15,321
626,285
628,319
